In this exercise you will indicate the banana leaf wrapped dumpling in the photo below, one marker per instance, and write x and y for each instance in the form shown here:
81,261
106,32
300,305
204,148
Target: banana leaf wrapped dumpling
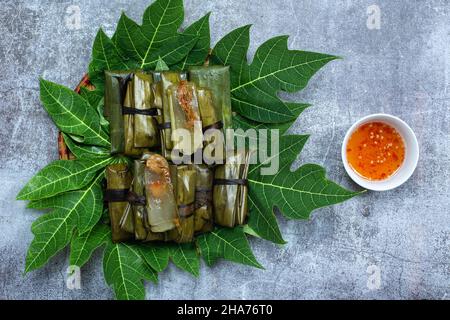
119,178
214,149
141,128
216,79
116,85
127,221
187,134
203,215
231,190
164,80
185,177
141,226
162,214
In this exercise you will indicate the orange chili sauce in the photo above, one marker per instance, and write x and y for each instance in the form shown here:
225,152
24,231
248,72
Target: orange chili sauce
375,151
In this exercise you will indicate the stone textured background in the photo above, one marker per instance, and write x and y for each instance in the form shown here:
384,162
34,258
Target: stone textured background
401,69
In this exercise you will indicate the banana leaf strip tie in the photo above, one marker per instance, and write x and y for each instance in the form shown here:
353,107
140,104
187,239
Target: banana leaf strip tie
218,126
163,126
123,195
203,197
186,210
132,111
115,195
231,182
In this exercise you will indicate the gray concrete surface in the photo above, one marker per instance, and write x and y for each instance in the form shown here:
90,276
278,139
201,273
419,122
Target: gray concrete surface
402,69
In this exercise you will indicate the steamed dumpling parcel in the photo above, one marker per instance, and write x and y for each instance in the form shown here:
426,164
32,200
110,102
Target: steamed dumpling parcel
162,214
231,190
187,134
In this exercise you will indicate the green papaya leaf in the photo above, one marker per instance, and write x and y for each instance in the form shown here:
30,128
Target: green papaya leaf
248,230
229,244
105,55
82,246
95,98
288,150
72,114
296,193
61,176
185,257
156,37
124,270
274,68
52,233
86,204
173,51
81,151
264,222
245,124
197,56
161,65
231,51
156,255
261,220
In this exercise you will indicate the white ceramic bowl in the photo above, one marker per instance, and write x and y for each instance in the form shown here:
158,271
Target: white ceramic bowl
411,154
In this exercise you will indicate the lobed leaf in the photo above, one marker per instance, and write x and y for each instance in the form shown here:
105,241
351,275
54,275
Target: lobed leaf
61,176
185,257
86,204
156,255
105,56
78,209
161,65
124,270
83,245
199,53
245,124
274,68
230,244
95,99
296,193
52,234
156,38
81,151
72,114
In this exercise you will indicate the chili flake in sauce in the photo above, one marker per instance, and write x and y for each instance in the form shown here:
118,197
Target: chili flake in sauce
375,151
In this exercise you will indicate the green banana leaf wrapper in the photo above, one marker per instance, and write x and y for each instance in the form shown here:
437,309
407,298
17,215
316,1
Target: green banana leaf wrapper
128,123
142,228
141,128
216,79
162,213
166,80
127,221
118,177
116,84
146,133
157,90
203,215
185,177
211,119
208,113
231,190
185,117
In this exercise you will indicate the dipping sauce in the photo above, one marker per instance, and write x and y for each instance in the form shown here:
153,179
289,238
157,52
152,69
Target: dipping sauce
375,151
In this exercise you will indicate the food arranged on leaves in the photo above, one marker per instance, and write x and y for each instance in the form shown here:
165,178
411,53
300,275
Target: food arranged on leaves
151,198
